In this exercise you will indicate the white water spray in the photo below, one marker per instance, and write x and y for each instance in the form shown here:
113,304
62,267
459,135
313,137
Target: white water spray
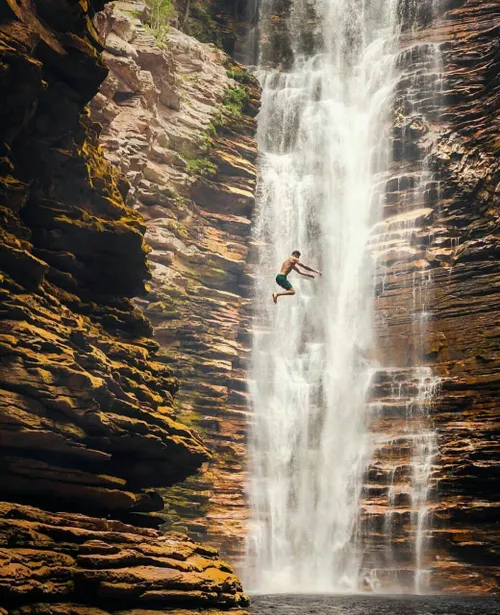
323,140
324,155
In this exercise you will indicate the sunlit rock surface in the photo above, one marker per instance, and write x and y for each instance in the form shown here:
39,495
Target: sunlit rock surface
437,293
438,299
87,423
69,558
172,123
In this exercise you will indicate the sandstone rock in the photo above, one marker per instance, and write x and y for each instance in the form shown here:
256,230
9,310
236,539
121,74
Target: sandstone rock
82,561
455,281
199,228
87,423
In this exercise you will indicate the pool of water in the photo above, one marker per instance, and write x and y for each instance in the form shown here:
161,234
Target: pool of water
375,605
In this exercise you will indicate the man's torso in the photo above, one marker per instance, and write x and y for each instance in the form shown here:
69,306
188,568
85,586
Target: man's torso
287,266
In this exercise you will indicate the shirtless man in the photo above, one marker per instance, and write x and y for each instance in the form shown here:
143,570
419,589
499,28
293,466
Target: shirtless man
291,264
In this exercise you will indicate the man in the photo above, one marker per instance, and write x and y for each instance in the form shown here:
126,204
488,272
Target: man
291,264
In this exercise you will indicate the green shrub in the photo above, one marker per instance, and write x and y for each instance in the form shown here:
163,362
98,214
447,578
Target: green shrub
232,107
207,138
201,167
162,12
241,76
236,97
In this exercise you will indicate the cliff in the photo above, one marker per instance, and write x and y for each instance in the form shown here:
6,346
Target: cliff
180,128
87,420
437,308
91,425
178,120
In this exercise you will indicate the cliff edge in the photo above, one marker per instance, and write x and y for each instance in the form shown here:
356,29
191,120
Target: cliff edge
87,424
178,120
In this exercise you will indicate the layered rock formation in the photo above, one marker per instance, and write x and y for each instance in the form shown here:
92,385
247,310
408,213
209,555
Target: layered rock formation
437,309
177,124
178,120
90,563
87,422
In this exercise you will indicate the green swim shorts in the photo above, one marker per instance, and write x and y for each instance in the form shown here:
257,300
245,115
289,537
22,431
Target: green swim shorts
281,280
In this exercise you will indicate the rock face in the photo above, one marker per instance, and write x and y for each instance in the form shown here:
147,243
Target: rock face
438,308
222,22
178,120
173,122
87,423
70,558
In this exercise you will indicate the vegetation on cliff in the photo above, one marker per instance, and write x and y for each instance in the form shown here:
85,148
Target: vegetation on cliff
183,135
220,22
87,419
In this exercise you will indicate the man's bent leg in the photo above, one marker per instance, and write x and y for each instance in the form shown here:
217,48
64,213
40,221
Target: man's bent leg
283,294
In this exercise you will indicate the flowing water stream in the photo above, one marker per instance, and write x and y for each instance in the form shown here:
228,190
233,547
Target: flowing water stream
328,69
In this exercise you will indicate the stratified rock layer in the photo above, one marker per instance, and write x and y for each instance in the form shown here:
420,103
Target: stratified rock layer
69,560
436,250
438,308
86,417
178,120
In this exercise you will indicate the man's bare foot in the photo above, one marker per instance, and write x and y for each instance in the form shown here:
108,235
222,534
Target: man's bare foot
275,298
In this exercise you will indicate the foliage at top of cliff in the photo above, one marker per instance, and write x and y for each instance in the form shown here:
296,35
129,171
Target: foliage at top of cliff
209,21
158,18
212,21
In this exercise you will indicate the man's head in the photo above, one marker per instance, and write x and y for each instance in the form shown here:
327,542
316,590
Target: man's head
296,253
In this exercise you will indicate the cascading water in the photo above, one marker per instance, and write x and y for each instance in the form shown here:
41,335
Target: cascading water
406,446
324,142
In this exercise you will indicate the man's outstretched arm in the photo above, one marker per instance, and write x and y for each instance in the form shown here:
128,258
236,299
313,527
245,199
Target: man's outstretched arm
308,268
306,275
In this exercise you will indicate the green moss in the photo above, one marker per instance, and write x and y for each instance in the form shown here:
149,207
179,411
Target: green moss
207,138
192,287
202,25
239,75
174,293
233,107
236,99
178,229
211,130
202,167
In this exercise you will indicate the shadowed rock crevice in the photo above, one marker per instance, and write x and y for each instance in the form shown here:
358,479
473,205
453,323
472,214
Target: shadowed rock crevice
178,118
87,423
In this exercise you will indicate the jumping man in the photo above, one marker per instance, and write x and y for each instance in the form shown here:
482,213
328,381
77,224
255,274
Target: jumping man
291,264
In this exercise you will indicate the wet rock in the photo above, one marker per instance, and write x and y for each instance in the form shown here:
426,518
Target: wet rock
445,313
191,164
87,421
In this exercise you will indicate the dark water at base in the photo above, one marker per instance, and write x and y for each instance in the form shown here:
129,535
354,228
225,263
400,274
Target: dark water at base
374,605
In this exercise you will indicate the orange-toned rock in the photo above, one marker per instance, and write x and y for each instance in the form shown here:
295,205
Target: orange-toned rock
87,420
438,305
192,169
83,561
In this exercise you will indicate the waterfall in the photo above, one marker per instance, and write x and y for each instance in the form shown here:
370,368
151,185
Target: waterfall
328,70
407,444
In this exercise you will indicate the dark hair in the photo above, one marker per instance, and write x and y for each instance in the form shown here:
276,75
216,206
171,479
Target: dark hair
296,253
